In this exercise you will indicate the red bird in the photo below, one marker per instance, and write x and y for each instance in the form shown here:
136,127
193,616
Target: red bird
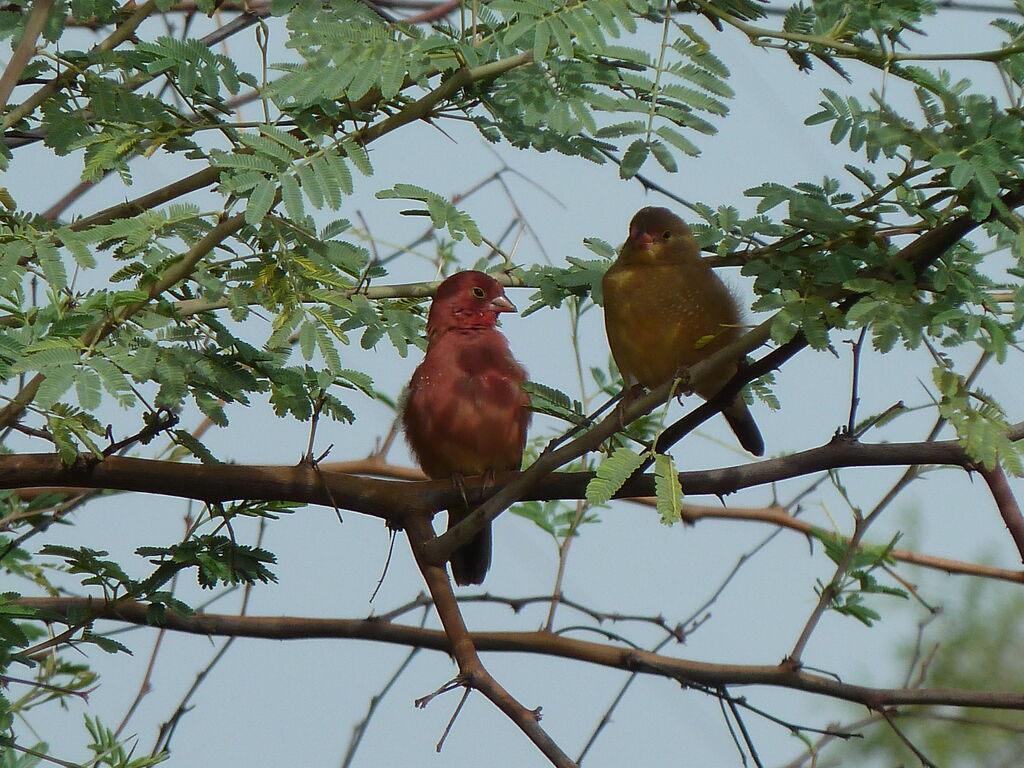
466,413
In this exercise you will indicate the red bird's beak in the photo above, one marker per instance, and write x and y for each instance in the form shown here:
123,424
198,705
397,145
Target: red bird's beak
641,240
502,304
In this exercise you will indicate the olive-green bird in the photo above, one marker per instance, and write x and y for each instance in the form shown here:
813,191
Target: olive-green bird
664,308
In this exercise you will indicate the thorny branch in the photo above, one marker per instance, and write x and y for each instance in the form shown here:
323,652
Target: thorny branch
380,498
472,672
1006,503
602,654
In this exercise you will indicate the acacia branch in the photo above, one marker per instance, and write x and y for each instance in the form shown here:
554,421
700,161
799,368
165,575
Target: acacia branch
691,513
872,56
1002,494
218,482
25,49
778,516
385,498
541,643
472,672
381,498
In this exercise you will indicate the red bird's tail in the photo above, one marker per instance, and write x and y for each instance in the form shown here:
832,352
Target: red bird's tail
471,561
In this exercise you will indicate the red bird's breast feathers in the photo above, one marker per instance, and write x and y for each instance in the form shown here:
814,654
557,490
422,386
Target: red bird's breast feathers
466,413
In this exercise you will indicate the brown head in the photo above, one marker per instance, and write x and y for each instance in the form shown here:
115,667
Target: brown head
657,232
467,300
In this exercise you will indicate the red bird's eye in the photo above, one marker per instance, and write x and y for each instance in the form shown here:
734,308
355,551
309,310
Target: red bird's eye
666,235
478,292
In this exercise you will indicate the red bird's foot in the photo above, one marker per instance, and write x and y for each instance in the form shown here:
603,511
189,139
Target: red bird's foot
490,477
459,482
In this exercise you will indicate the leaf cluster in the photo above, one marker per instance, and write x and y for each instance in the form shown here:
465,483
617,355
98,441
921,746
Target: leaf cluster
848,596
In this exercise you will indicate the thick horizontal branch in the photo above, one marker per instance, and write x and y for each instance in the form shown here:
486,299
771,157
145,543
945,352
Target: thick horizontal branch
840,452
392,500
287,481
387,499
542,643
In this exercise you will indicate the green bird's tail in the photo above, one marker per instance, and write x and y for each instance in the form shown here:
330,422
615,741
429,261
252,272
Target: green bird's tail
744,427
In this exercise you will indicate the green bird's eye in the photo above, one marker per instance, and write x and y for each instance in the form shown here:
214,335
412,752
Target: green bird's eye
666,235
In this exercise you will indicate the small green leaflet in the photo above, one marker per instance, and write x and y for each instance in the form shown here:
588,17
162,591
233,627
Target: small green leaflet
612,474
668,489
544,399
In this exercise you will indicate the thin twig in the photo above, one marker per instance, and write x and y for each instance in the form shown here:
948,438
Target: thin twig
581,504
814,749
751,749
167,729
855,383
732,731
690,622
42,756
451,720
906,741
606,718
